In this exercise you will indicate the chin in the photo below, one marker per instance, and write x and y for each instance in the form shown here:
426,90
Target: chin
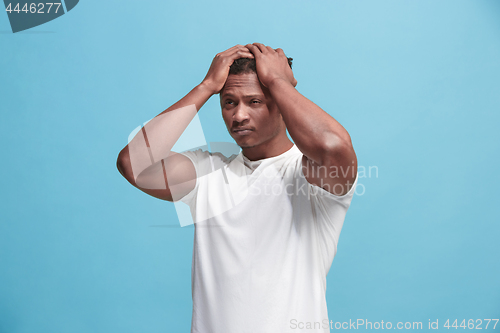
245,145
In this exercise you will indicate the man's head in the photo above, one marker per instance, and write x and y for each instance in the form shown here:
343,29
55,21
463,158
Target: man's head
248,109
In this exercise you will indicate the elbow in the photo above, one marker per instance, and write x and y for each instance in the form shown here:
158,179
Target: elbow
121,159
119,165
123,164
338,151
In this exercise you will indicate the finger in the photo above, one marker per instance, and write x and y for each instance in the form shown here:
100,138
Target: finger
241,53
270,49
254,49
231,49
261,47
240,48
280,51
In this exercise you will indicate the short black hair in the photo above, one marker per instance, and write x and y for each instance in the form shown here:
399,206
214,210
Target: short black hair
247,65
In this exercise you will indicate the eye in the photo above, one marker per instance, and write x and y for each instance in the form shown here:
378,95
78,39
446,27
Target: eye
255,101
229,102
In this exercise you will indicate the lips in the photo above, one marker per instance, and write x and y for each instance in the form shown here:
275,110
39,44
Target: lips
242,130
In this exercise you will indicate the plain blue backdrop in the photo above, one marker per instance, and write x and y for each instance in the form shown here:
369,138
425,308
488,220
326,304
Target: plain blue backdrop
416,84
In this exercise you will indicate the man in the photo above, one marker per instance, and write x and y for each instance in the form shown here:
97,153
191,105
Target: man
267,220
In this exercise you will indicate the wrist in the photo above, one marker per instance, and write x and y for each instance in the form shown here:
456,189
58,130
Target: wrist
278,82
206,87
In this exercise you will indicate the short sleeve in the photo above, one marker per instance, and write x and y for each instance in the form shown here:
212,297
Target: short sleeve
195,157
325,196
204,163
329,212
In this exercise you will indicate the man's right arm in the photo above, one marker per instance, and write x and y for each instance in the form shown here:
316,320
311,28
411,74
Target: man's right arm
148,163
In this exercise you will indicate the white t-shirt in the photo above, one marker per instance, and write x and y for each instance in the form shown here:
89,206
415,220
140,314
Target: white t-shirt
264,242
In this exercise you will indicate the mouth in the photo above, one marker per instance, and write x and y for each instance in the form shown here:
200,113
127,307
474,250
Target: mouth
242,131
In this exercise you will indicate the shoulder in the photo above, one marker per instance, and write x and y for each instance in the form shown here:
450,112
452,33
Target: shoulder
206,161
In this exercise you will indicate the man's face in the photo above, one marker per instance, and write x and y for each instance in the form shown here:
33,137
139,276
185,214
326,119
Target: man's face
250,114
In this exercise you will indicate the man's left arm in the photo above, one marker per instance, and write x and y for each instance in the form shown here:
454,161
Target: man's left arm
329,159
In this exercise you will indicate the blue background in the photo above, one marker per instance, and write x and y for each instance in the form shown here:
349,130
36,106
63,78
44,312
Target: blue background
414,82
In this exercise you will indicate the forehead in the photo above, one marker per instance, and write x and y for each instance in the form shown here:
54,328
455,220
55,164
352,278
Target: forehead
242,85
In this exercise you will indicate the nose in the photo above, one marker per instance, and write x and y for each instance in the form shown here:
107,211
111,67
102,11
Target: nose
240,114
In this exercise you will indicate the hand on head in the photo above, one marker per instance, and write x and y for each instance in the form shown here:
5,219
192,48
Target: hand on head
219,69
271,64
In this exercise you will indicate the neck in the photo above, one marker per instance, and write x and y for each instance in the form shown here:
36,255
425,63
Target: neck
274,147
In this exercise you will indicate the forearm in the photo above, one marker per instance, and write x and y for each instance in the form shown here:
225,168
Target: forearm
156,139
198,96
314,131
